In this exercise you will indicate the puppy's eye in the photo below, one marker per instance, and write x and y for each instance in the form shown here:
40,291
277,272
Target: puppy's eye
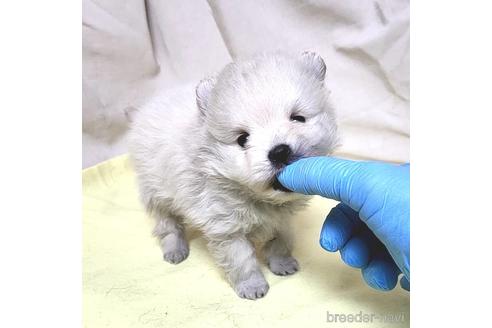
297,118
242,139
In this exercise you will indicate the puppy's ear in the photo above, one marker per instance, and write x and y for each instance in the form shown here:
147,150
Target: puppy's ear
315,63
203,91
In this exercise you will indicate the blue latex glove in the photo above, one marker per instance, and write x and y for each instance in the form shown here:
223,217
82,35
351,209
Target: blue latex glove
371,225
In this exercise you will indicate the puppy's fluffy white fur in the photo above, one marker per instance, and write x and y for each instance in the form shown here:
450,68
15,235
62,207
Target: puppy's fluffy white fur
191,169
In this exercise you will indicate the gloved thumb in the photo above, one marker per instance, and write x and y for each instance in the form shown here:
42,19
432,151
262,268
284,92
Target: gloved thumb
328,177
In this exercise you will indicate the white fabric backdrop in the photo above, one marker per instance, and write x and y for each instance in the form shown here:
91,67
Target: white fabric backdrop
132,48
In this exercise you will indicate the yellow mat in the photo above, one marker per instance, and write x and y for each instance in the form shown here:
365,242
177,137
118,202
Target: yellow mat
127,283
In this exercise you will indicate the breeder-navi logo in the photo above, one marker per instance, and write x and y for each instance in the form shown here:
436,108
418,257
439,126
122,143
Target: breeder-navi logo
362,317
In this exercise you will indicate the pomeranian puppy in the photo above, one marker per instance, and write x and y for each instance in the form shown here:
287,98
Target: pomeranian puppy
208,157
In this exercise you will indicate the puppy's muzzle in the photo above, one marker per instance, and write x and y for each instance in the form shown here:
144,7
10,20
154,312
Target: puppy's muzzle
276,185
280,155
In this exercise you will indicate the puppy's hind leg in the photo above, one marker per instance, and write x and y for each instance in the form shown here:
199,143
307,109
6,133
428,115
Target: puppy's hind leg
278,255
172,239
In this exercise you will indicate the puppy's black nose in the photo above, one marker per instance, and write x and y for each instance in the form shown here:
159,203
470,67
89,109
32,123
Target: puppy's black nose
280,154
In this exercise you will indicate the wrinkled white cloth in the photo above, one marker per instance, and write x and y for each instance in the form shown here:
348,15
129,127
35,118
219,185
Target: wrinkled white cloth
133,48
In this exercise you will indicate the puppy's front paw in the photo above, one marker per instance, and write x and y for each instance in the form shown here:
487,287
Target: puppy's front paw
252,288
283,265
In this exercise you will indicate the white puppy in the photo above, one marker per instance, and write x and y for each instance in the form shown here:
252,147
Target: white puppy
208,157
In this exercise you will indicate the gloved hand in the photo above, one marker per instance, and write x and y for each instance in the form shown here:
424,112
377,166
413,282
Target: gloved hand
371,225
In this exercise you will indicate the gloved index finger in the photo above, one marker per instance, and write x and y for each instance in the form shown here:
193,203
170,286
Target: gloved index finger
329,177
